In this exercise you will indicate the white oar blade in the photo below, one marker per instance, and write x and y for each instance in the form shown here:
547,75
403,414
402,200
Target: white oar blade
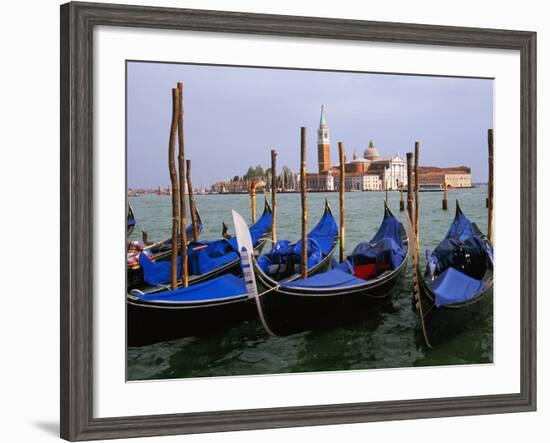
242,232
244,242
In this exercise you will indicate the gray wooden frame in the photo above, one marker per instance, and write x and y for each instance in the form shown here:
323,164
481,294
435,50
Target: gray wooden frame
77,23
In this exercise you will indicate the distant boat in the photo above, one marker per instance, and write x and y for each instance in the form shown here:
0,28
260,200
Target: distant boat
429,187
457,283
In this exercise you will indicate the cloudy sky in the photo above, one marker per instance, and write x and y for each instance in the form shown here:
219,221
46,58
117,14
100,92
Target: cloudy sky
233,116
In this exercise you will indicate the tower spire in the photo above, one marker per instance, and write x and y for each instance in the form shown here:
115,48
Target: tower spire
323,144
322,121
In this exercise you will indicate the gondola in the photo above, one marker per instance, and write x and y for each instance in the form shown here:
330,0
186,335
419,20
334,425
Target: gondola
338,295
130,221
213,305
206,259
457,285
156,251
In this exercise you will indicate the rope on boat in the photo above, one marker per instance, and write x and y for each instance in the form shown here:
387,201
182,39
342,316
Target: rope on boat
269,290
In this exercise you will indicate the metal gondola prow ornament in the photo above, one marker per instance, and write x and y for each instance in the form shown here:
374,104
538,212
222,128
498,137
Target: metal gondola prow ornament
246,251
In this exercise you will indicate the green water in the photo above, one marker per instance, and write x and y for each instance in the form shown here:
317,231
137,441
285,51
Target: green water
389,338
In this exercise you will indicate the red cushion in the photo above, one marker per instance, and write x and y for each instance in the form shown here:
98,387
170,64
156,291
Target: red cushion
365,271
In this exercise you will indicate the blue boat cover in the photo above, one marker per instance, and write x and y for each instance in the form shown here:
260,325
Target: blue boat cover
320,242
452,286
334,278
459,261
203,257
225,286
385,250
390,228
385,247
461,228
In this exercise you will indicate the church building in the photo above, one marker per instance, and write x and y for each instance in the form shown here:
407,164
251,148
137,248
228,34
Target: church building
369,173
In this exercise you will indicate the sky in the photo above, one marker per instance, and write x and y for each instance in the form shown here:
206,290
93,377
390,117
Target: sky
234,116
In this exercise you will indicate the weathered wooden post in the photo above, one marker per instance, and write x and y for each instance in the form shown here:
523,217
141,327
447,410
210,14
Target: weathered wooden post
444,204
174,183
416,189
253,200
303,191
183,206
401,200
274,196
410,186
342,156
491,188
192,207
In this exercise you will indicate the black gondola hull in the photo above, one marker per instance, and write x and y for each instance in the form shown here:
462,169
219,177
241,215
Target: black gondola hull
289,311
445,322
149,323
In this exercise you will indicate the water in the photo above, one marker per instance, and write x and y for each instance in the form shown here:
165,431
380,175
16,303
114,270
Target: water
390,338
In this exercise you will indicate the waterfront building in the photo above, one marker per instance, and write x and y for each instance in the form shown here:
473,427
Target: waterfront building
455,177
362,182
368,173
323,181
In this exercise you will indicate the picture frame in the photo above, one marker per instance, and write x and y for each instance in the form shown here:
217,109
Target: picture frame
78,21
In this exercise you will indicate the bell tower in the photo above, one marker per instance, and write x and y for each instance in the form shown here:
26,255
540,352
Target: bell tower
323,144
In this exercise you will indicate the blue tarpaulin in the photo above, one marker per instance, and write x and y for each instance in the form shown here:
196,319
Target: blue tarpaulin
225,286
386,246
334,278
320,242
459,263
461,228
203,257
453,286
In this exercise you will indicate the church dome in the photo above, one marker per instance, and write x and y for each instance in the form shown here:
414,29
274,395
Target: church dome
371,153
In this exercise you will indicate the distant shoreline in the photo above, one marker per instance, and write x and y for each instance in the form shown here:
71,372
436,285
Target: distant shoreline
139,194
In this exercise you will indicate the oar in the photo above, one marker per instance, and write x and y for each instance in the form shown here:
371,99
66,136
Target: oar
246,251
158,243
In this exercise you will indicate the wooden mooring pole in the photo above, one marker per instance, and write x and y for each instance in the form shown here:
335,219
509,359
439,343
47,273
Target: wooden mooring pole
274,196
303,191
491,189
416,189
342,157
174,184
192,207
444,202
253,200
183,206
401,200
410,186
